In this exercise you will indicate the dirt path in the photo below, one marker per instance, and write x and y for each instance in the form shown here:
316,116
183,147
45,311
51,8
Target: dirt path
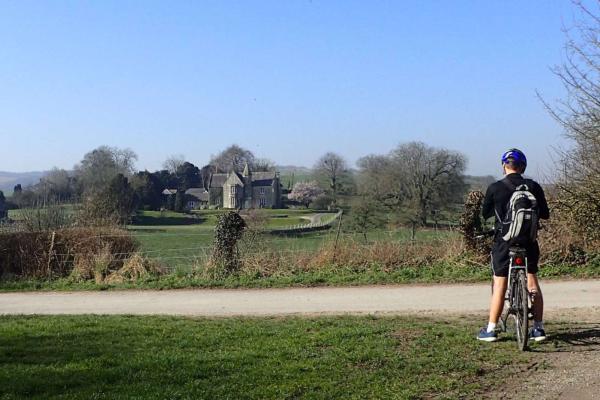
357,300
567,366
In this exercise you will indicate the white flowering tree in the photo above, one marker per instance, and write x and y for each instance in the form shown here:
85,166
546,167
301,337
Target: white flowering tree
305,192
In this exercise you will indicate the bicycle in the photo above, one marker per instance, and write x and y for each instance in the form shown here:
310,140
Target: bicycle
518,299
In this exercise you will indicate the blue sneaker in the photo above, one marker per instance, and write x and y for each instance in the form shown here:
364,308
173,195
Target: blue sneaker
537,334
486,336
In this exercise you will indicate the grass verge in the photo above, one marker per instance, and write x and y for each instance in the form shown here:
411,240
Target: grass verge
438,273
97,357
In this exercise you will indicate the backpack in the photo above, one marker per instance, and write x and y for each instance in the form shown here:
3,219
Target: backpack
520,223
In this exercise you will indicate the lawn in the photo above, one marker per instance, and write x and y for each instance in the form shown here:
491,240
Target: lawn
120,357
179,240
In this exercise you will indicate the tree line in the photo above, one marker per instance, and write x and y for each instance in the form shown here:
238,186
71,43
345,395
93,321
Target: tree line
414,179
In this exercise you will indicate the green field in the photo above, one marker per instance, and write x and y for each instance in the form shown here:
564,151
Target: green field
120,357
178,240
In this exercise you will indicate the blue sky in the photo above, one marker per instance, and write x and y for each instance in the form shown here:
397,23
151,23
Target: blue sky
289,80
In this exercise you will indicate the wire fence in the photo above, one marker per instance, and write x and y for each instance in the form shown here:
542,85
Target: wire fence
181,250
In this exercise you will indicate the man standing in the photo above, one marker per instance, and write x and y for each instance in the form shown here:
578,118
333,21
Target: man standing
495,204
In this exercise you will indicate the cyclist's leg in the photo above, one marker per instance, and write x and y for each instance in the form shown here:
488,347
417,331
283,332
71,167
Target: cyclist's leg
533,286
500,261
497,302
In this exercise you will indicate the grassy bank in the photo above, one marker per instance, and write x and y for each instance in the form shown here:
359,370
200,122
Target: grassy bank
89,357
329,276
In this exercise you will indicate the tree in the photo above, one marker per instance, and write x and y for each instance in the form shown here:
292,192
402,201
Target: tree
578,183
232,158
414,179
166,180
56,187
188,176
179,201
205,174
173,163
17,192
331,167
365,216
305,192
148,190
100,166
114,204
263,165
2,205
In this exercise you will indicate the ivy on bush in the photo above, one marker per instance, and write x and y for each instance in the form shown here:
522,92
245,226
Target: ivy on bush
228,231
471,224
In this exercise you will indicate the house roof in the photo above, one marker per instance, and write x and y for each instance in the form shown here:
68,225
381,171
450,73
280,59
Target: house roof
199,193
258,179
217,180
262,182
169,191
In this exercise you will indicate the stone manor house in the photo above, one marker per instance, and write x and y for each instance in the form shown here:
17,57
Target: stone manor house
238,191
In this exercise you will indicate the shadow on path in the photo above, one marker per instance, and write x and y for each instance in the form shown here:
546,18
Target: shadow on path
565,337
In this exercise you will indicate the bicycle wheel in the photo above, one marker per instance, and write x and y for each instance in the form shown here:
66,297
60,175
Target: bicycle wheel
521,308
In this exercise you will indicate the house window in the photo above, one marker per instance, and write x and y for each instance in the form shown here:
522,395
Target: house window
262,190
262,202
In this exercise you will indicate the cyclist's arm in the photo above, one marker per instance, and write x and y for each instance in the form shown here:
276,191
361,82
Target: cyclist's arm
487,209
543,204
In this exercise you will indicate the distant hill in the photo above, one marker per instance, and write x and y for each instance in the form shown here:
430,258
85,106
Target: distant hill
291,169
479,182
8,180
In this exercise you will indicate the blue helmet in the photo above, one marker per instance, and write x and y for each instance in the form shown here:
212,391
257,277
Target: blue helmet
516,156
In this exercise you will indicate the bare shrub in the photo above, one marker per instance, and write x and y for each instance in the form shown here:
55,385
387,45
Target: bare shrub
578,180
135,268
352,255
85,253
47,218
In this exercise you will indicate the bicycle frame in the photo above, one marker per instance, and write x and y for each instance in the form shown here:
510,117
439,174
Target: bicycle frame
512,268
518,303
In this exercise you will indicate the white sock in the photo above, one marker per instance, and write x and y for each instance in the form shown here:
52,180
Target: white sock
538,325
491,327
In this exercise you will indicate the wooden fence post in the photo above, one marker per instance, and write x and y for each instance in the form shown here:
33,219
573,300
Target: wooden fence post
337,236
50,252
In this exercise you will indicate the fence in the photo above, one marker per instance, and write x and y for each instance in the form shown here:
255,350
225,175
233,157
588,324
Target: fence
325,221
302,246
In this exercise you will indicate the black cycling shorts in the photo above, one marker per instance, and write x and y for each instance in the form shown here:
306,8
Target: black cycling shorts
501,258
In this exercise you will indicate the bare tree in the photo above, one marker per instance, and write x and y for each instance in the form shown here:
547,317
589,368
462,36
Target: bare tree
414,179
101,165
579,114
331,166
173,163
263,165
232,158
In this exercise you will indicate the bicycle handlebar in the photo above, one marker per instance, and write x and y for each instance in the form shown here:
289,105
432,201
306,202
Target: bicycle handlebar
485,234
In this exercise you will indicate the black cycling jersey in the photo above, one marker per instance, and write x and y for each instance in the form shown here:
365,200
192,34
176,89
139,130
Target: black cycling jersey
495,204
498,195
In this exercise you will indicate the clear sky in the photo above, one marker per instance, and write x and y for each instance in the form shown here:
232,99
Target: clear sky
289,80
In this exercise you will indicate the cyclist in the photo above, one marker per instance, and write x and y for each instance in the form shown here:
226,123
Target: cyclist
495,204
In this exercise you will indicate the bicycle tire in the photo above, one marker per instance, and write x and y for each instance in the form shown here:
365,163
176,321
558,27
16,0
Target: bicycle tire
521,308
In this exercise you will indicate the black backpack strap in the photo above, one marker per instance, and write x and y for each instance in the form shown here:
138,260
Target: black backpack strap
509,184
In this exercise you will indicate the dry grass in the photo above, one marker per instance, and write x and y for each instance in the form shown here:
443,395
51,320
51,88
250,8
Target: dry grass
353,255
87,253
135,268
